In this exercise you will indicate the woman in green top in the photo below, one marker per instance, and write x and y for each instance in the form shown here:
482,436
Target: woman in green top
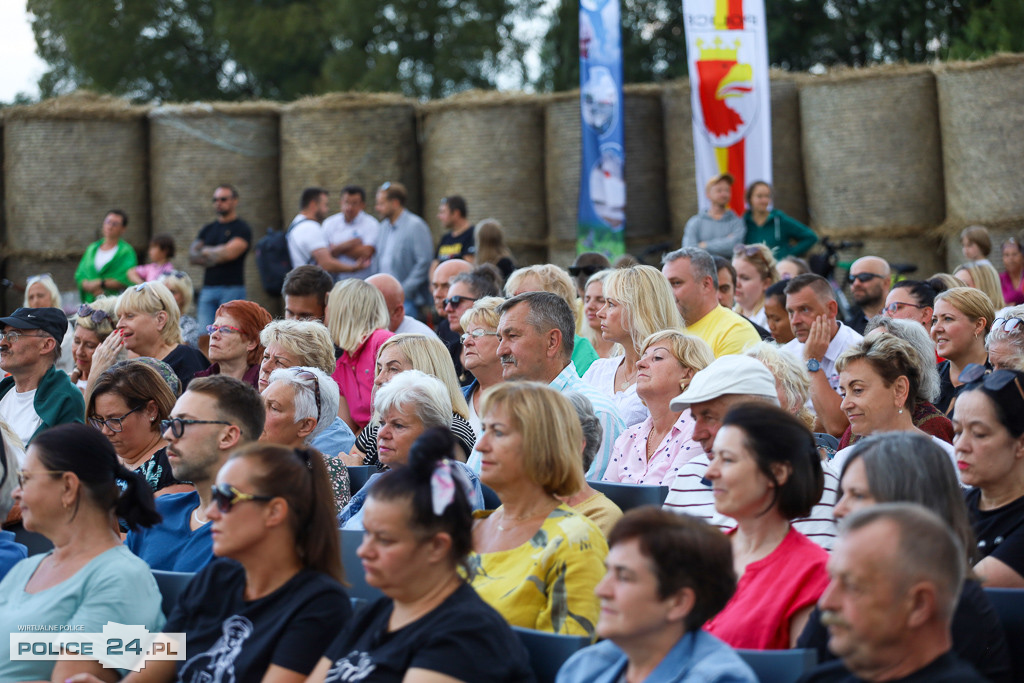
785,235
104,266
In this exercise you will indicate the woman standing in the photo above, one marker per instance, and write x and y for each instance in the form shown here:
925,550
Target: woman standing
235,348
105,264
785,236
1012,277
490,247
755,273
963,317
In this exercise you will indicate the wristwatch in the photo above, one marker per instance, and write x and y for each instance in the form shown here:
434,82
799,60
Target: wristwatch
813,365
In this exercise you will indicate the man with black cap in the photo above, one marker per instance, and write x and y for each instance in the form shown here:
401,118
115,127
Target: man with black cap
42,395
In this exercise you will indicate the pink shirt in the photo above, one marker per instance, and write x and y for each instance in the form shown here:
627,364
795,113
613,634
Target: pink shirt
770,592
153,271
354,375
629,463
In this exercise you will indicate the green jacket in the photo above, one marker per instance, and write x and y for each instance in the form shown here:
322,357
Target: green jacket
57,401
116,269
785,235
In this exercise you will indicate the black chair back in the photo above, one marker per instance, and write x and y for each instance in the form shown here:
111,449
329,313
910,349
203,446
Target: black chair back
779,666
548,651
358,474
354,575
171,585
629,496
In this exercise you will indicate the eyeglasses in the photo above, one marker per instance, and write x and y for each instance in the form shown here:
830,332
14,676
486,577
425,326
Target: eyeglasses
13,337
223,329
97,315
306,374
476,334
863,277
222,199
112,423
226,496
1007,324
894,307
24,476
177,425
454,301
976,375
576,271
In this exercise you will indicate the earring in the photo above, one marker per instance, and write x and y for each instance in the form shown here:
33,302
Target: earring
901,411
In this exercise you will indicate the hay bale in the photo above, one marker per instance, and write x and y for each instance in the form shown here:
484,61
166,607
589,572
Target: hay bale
348,138
563,157
647,212
981,117
787,149
193,148
489,148
872,158
23,265
69,160
680,171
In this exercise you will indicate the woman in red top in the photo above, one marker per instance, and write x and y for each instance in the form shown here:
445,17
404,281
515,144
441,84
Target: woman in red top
765,471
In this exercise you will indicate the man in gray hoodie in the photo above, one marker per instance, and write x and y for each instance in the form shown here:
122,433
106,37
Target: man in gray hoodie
718,229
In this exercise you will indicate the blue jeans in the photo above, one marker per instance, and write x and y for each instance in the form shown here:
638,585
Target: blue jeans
210,299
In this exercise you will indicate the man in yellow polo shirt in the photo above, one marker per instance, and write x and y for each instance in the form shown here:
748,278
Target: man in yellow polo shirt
694,279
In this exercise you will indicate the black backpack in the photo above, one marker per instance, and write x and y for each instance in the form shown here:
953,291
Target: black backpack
273,259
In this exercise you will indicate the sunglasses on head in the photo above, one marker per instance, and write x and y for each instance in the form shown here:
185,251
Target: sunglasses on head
975,375
96,315
32,279
1007,324
749,250
306,374
863,277
226,496
454,301
576,271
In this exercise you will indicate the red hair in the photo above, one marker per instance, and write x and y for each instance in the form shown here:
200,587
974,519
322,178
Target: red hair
252,318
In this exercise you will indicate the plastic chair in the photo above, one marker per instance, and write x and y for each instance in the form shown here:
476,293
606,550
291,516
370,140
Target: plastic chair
1009,605
171,585
36,543
358,474
548,651
491,500
354,575
779,666
629,496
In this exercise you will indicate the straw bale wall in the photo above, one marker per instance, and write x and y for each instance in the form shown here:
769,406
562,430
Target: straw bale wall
680,174
563,156
789,193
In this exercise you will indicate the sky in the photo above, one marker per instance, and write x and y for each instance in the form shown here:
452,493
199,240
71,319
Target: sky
21,66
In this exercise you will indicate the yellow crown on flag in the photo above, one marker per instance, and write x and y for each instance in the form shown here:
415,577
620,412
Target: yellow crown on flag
717,51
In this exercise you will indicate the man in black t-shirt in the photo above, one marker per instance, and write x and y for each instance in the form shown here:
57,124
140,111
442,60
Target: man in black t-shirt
221,247
458,241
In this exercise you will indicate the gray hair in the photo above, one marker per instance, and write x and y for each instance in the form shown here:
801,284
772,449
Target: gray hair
914,334
592,430
427,397
305,401
1014,338
547,311
702,262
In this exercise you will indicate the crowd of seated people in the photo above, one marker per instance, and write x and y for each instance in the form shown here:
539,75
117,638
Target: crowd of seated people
491,447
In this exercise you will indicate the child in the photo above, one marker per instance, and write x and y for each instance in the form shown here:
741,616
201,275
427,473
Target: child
976,244
161,251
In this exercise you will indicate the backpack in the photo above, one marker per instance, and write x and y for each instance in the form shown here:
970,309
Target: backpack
273,259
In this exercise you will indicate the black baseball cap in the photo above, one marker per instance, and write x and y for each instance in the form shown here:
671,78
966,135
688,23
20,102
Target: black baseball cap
49,320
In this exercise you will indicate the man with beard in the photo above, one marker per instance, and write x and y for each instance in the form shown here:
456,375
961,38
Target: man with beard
221,247
870,283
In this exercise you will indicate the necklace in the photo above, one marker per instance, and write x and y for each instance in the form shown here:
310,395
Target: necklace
195,517
516,520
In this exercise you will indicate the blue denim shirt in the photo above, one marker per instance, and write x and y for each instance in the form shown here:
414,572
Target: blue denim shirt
335,439
697,658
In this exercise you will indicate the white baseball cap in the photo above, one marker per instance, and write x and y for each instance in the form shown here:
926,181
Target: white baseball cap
728,375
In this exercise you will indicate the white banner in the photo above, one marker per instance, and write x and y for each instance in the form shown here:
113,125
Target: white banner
727,54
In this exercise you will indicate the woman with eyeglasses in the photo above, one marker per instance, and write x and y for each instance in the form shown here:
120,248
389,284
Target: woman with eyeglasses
269,604
128,404
1012,277
105,264
593,301
1005,342
962,319
783,234
912,300
430,626
73,497
235,349
357,319
480,353
989,425
93,324
755,272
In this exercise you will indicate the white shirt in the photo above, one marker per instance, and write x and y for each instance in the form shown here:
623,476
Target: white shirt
303,239
601,376
338,230
415,326
844,339
19,412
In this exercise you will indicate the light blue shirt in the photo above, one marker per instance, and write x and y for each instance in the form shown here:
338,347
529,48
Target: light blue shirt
405,250
611,421
335,439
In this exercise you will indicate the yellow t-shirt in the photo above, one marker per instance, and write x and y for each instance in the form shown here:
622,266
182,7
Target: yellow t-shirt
600,510
547,583
727,333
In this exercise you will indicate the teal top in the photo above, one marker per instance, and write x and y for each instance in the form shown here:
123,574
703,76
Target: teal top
583,354
785,235
113,586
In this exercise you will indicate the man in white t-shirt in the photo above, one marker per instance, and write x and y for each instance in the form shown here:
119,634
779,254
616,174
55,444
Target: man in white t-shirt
353,232
307,240
37,395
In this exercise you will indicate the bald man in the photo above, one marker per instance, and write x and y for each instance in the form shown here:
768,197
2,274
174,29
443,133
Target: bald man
394,297
870,282
440,282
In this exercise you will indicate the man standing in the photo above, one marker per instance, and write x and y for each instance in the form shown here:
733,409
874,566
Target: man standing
214,416
718,229
820,340
353,232
36,395
221,247
895,575
870,282
307,240
405,247
535,340
394,297
457,242
694,280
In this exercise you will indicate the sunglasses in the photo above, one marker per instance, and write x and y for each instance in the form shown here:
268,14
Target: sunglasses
112,423
223,329
226,496
748,250
454,301
97,315
576,271
895,306
975,375
177,425
306,374
476,334
863,277
1007,324
32,279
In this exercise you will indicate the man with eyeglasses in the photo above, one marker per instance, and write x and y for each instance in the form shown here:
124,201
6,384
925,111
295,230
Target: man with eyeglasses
214,416
221,247
870,281
394,297
36,395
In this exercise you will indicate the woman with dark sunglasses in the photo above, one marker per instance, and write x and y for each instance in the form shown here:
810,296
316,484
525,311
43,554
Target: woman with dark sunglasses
270,603
988,422
93,324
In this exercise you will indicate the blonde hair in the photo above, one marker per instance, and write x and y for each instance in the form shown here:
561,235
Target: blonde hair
648,305
151,298
483,312
307,340
355,309
789,375
973,303
552,438
179,281
691,352
429,354
551,278
986,279
107,304
489,238
46,280
763,261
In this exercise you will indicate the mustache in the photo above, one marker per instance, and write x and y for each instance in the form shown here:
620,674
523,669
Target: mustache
509,360
833,618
